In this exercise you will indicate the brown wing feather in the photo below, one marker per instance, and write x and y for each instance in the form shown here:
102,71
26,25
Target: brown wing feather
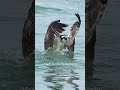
55,26
28,33
94,11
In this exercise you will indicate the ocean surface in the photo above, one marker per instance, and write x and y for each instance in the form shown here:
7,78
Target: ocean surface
13,75
60,71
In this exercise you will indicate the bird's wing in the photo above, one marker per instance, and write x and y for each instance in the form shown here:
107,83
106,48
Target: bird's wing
78,16
93,14
54,28
77,23
28,34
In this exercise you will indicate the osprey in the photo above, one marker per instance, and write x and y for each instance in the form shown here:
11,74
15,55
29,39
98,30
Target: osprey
57,42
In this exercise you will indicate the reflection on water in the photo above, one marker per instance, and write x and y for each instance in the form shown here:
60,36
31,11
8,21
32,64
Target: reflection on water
58,72
15,73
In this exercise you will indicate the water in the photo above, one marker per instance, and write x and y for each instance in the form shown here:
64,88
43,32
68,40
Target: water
13,74
59,72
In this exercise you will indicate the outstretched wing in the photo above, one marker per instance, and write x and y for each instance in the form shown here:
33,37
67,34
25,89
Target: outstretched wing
93,14
28,34
54,28
78,16
73,30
